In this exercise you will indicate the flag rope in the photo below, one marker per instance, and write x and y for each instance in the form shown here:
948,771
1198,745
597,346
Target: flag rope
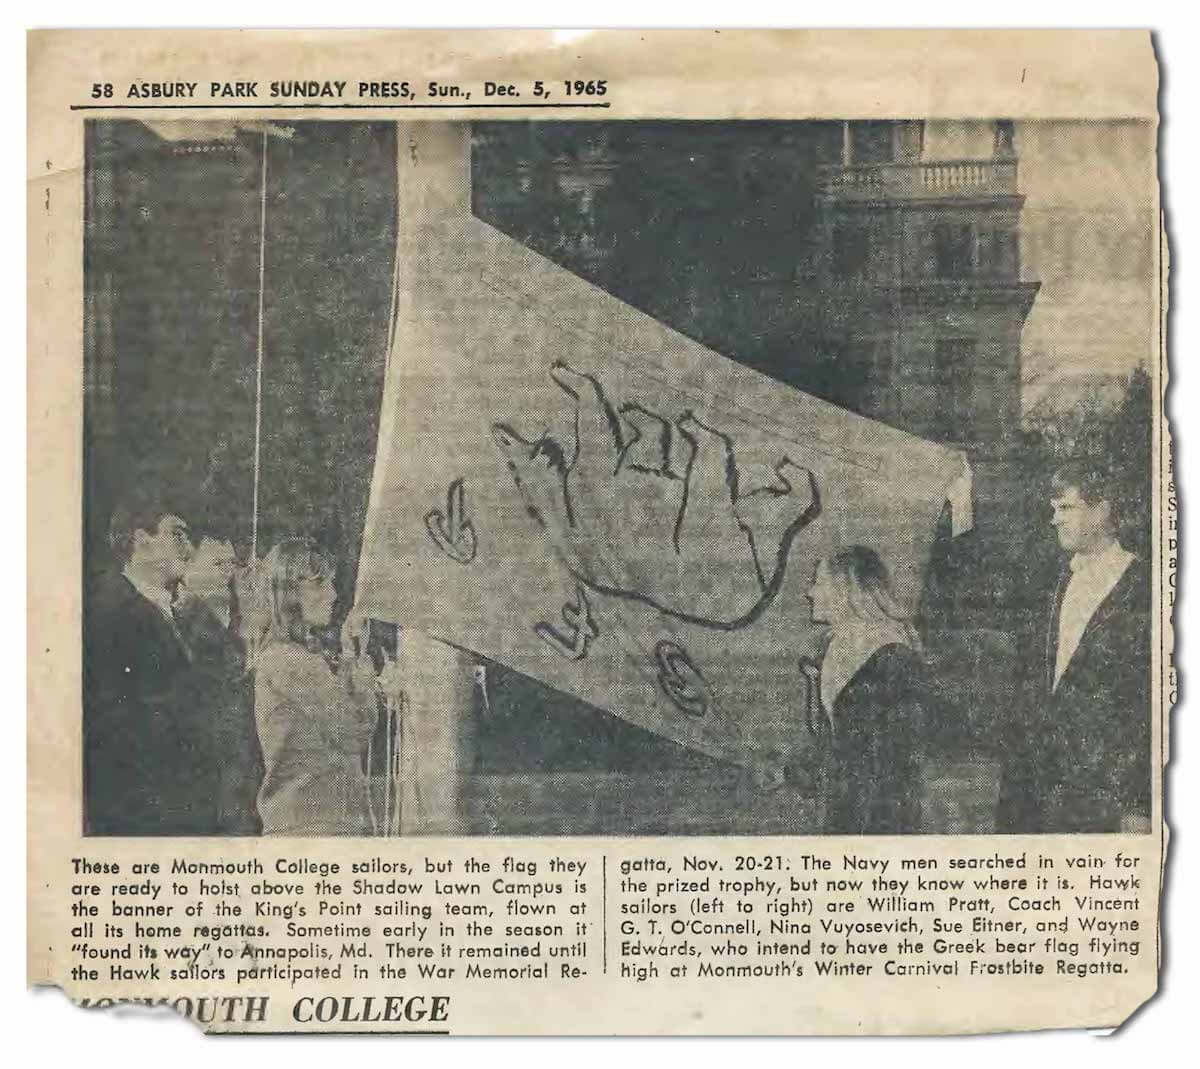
258,383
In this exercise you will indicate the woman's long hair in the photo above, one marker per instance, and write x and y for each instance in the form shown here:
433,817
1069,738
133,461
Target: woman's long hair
869,592
278,617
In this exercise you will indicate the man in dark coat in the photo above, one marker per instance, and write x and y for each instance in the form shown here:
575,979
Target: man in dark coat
149,765
208,616
1079,760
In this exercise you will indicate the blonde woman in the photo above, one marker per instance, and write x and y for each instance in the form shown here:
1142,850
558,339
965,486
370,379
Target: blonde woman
314,724
874,694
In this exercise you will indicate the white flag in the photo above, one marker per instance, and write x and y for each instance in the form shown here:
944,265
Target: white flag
567,486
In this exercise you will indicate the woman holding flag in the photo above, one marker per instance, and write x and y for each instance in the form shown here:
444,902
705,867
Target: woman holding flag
314,722
874,695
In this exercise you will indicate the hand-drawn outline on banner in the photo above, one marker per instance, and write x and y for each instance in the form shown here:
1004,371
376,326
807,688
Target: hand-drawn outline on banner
582,628
681,680
818,721
452,532
757,525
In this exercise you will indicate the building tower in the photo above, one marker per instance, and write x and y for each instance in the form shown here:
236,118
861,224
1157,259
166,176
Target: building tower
917,274
918,271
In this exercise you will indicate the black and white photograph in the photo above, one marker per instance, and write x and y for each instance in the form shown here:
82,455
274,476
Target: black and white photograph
625,478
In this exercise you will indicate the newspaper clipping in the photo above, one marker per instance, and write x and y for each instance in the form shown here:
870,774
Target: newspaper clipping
598,533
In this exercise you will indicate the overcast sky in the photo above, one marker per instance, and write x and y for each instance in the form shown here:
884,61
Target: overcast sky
1088,233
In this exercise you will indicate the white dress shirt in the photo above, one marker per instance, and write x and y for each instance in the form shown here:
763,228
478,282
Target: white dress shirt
1093,576
158,596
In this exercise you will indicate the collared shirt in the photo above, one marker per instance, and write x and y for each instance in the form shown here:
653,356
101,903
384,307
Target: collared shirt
848,651
158,596
1093,576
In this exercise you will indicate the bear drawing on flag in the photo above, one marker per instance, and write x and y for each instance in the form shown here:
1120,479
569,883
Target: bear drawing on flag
655,509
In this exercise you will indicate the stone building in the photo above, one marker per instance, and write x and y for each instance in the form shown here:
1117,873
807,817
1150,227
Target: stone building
917,273
855,260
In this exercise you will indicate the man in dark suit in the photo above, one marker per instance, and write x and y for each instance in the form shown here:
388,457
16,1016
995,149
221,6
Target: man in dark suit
210,620
149,765
1080,759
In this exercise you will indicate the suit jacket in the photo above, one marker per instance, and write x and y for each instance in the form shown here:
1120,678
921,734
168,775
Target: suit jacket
1080,756
224,689
149,766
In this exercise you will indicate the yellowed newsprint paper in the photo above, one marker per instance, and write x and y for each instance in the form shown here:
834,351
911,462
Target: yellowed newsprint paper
598,533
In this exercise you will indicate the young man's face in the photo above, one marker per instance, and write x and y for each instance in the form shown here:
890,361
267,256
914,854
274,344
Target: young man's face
210,569
1081,526
317,598
166,551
